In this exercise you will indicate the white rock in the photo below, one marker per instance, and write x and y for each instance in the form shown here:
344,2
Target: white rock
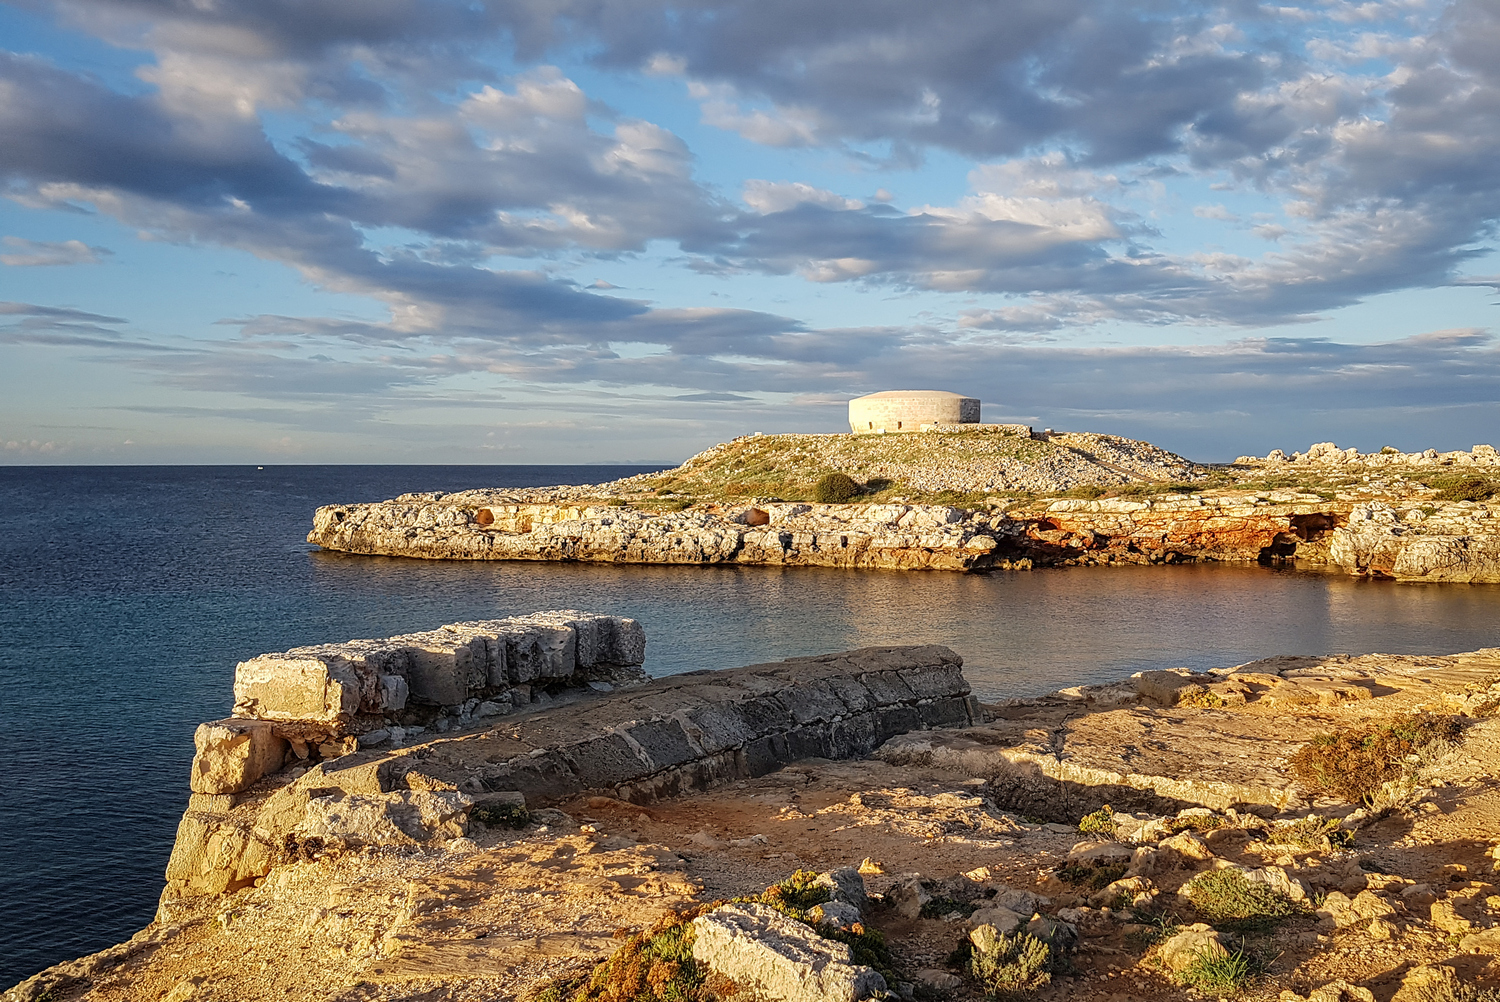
755,944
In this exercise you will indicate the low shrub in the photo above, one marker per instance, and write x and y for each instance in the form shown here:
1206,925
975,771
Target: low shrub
1196,823
653,966
501,815
1101,823
1311,832
1355,764
1008,965
1087,492
796,895
1465,487
938,907
1226,900
836,488
1094,877
1218,972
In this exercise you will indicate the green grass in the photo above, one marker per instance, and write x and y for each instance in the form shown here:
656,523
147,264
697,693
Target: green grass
1227,901
1218,972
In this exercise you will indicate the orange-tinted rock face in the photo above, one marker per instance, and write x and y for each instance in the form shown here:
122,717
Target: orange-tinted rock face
1454,542
1175,531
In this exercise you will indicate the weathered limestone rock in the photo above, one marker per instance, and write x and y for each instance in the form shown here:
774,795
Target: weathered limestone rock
656,739
758,945
1194,941
233,754
370,687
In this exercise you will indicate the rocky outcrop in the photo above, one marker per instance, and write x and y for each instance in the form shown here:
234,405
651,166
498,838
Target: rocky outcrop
1170,528
1457,542
1328,454
1137,746
638,744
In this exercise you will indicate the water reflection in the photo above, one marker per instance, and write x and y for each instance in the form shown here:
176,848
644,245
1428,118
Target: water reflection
1019,633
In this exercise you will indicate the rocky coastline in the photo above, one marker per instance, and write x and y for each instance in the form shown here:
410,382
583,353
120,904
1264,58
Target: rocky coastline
1410,538
844,827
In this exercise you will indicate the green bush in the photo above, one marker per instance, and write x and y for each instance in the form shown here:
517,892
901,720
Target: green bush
1009,964
836,488
501,815
1101,823
1093,876
1224,898
1464,487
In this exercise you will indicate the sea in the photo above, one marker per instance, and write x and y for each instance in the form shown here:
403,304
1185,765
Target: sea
128,594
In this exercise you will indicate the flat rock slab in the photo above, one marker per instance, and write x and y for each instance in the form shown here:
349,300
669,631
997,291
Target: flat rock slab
1064,757
658,739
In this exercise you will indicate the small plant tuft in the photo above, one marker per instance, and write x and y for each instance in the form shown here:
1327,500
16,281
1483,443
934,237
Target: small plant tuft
1220,972
501,815
836,488
1311,832
1100,823
1088,875
1196,823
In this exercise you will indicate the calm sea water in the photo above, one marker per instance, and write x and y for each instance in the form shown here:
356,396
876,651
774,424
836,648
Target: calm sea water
128,594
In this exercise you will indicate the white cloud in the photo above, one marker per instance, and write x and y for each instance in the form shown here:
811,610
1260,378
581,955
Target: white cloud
778,196
24,253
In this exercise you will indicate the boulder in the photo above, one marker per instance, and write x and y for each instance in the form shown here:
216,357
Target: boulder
1487,941
839,914
845,885
909,896
399,818
1004,920
1448,920
1100,853
754,944
232,754
1198,939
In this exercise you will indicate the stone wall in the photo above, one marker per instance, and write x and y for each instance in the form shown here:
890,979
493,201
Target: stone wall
638,744
909,410
323,701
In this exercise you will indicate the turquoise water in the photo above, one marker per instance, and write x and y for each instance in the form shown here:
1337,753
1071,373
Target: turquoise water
127,595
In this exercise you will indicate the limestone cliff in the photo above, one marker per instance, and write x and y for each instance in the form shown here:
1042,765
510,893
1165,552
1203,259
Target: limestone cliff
1452,541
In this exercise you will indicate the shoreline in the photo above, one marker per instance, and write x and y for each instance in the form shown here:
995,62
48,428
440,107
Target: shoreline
971,501
382,878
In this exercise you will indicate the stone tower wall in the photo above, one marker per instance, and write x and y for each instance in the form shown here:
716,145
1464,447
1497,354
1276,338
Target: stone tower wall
877,413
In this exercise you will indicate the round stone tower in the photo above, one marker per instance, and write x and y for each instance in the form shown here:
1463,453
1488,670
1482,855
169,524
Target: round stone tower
909,410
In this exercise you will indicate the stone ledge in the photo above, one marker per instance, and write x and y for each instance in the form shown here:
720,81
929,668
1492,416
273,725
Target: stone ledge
661,738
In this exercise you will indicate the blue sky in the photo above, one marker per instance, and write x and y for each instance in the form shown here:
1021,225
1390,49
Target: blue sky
622,230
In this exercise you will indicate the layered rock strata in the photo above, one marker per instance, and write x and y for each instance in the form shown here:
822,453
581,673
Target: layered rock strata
657,739
323,701
1456,541
1168,740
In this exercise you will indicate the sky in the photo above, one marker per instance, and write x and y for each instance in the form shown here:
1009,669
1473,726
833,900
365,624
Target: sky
594,231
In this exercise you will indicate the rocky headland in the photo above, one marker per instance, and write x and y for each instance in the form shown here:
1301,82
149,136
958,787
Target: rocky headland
973,501
507,810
